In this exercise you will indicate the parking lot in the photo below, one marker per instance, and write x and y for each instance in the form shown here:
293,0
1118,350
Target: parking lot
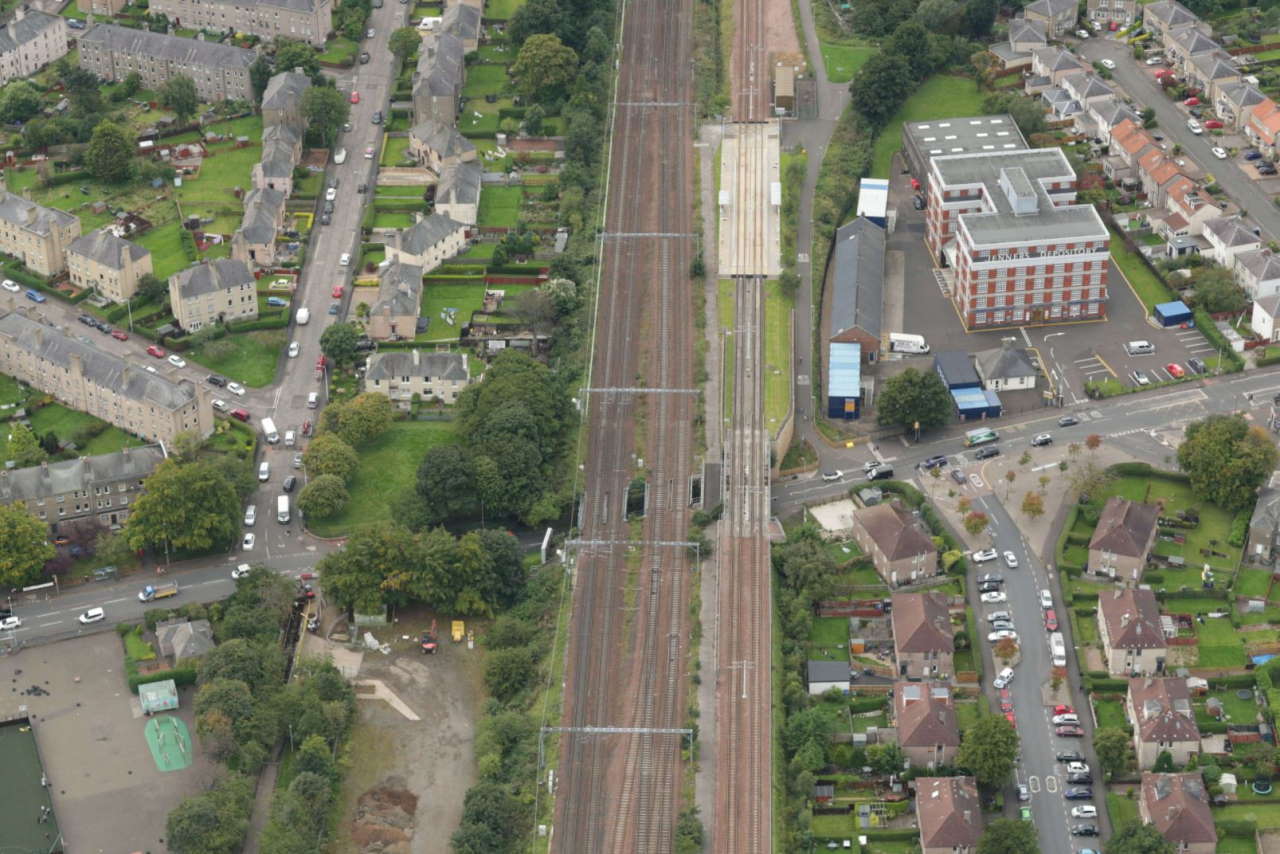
107,792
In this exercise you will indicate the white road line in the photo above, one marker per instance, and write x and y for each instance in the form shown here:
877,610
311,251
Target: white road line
47,625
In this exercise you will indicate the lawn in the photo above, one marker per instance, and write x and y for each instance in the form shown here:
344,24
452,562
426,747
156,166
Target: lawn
388,465
500,206
829,631
1235,845
339,50
843,61
501,9
941,97
1238,711
1215,524
395,151
483,79
165,245
1253,583
392,219
777,355
1151,291
247,357
1110,712
1266,815
1122,810
478,252
481,117
435,298
862,723
65,423
11,391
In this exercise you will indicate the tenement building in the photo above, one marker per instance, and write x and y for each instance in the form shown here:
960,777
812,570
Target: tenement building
102,488
107,263
220,71
304,20
30,41
100,383
37,236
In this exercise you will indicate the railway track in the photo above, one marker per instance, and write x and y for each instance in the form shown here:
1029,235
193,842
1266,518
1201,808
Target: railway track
626,659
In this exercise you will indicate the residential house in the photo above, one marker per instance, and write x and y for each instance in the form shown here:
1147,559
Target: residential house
1162,718
1263,126
254,242
212,292
101,487
1228,237
949,813
825,675
281,153
104,8
462,20
434,144
99,382
923,641
395,313
1184,197
1103,116
1133,641
1006,368
854,307
428,243
183,640
403,375
1129,143
37,236
437,80
303,20
1058,17
1157,173
1124,536
30,41
1087,88
1166,17
1049,65
1235,102
1178,806
1264,526
108,264
925,719
1265,320
1123,12
902,551
1024,37
1185,46
282,99
220,71
458,191
1211,73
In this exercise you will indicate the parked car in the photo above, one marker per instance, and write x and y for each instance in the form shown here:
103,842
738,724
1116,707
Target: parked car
1196,365
1108,63
1218,151
279,302
364,57
326,218
1252,154
1042,439
987,452
153,350
250,515
377,117
987,587
994,597
1078,793
1194,126
294,349
1068,421
1003,679
36,296
344,260
368,152
1265,168
218,404
336,293
177,361
240,415
1070,756
934,462
1077,767
1025,813
1140,378
833,475
10,285
991,578
289,483
248,541
8,624
1154,60
216,379
1175,370
1001,634
1084,830
1069,731
355,97
983,555
1084,811
999,625
1066,718
1050,621
236,389
958,476
241,571
1084,34
1213,124
1080,778
995,616
1024,794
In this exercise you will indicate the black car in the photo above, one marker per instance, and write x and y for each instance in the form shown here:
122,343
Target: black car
289,483
362,188
216,379
377,117
364,344
1084,830
88,320
1196,365
991,578
1070,756
882,472
934,461
326,218
328,207
958,476
1080,778
988,587
1079,793
104,327
1068,421
988,452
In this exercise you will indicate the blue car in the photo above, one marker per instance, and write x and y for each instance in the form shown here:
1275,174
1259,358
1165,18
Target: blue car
1252,154
36,296
277,301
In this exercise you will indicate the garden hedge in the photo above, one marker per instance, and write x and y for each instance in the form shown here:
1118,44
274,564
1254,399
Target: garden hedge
181,676
1237,827
1205,322
868,704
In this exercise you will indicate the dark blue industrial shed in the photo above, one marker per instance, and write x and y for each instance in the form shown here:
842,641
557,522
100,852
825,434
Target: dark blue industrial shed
844,380
1172,313
956,370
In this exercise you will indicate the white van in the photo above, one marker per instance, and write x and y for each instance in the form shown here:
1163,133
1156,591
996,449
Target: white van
264,470
304,316
1139,348
902,343
288,439
313,400
340,157
269,430
282,509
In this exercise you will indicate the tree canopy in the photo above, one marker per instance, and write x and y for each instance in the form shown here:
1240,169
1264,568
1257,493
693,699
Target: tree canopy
363,418
326,110
1009,836
403,41
213,822
323,497
329,454
989,750
544,66
1227,460
187,506
109,156
914,396
179,94
1135,837
339,342
24,546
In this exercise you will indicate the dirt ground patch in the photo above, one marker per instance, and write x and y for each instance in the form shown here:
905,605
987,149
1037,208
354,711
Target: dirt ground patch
403,793
780,27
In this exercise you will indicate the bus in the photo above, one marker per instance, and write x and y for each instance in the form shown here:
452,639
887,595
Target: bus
981,436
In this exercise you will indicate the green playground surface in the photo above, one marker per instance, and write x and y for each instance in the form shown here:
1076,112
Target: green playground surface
25,799
170,742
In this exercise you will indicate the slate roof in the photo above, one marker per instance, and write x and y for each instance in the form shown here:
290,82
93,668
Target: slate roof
1163,709
1170,13
1271,305
462,20
399,290
208,277
924,715
1132,618
104,247
921,623
1052,8
30,26
203,54
1022,30
1194,42
1004,363
1055,58
184,639
1084,86
1242,96
1231,231
63,476
949,813
398,363
440,65
1215,66
29,216
1112,111
857,278
459,183
277,159
445,140
425,233
100,367
956,368
1178,806
895,531
828,671
1124,527
285,90
262,208
1262,264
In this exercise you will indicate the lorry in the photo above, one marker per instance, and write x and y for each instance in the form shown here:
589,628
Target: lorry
1058,649
901,342
282,509
304,316
152,592
269,430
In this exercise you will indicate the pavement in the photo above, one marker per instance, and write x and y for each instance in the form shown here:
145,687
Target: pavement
1138,81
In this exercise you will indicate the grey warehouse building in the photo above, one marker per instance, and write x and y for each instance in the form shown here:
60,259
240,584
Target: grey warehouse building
923,141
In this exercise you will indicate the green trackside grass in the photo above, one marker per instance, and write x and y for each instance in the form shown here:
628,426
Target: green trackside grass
500,206
727,306
940,97
388,465
1150,289
247,357
843,61
777,356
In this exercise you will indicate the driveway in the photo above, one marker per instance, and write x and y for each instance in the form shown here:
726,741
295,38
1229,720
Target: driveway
1139,82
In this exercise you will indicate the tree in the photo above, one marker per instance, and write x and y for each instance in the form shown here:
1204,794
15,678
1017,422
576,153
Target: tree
214,821
914,397
152,288
403,42
1010,476
1033,505
323,496
1088,480
1134,837
446,483
1093,441
373,569
508,671
363,418
328,454
978,17
191,506
259,77
24,548
326,110
989,750
293,54
880,86
179,94
533,119
109,156
1009,836
24,447
20,102
1227,460
885,758
339,343
1005,649
1217,290
237,659
975,522
1112,745
111,548
82,87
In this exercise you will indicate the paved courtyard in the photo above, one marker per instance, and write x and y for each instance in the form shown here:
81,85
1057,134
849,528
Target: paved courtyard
107,792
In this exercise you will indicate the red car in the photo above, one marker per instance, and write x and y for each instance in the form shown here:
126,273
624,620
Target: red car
1006,706
355,97
1069,731
1009,716
156,351
1061,709
1175,370
1191,102
1213,124
337,292
321,361
306,428
240,414
1050,621
119,335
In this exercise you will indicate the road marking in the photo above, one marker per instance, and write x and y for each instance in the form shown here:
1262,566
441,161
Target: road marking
114,601
47,625
1033,783
1050,783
